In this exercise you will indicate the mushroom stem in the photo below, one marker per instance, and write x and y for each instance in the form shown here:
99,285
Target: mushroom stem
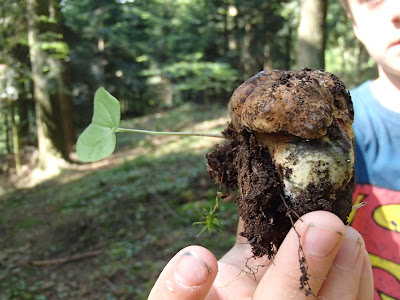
302,163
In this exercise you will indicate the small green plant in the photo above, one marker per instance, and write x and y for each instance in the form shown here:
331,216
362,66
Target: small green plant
98,140
210,218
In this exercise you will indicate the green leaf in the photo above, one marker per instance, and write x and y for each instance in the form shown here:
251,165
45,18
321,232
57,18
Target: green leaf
98,140
106,110
95,143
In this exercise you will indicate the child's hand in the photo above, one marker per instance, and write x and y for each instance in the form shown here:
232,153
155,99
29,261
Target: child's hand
338,267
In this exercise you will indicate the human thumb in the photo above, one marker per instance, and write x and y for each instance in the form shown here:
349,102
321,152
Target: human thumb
189,275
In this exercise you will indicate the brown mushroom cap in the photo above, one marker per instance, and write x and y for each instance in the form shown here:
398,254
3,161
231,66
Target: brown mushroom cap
302,103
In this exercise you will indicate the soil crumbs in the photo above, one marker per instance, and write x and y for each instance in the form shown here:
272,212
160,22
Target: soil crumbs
268,214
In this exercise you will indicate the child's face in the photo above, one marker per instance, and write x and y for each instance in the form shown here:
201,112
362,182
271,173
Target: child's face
377,26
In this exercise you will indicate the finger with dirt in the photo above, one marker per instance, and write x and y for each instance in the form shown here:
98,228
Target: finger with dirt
346,272
188,276
241,257
324,243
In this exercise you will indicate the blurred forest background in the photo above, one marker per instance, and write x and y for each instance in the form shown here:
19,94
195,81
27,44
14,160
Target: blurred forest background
92,231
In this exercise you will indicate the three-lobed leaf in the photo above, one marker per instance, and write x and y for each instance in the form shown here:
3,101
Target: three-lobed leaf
98,140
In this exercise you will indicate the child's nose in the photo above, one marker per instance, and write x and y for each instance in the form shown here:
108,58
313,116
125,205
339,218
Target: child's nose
393,8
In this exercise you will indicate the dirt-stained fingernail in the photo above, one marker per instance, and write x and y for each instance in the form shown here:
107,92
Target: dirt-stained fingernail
320,240
192,270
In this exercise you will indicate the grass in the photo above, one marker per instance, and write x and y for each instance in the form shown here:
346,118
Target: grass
137,207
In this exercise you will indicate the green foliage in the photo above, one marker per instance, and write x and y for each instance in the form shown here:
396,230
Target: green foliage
153,46
201,75
60,49
139,209
98,140
211,221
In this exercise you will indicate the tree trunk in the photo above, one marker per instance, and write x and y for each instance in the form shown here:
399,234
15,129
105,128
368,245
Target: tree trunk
66,110
15,138
24,125
267,59
63,87
288,48
53,113
311,34
246,48
6,113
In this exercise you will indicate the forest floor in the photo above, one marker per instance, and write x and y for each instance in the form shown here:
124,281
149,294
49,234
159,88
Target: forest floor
105,230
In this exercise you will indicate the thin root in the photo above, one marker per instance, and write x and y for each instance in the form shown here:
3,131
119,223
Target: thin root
253,270
304,278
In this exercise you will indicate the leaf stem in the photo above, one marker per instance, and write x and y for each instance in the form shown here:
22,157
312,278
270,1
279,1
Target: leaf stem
217,135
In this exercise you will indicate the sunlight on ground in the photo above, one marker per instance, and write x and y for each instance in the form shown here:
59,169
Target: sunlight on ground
172,144
37,175
207,126
163,146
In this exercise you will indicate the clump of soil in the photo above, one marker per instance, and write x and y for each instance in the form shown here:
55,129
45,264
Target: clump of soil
245,164
289,151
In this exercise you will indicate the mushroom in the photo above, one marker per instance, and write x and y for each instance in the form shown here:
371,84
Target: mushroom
292,151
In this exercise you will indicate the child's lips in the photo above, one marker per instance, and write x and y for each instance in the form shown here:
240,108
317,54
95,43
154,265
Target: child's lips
394,48
395,43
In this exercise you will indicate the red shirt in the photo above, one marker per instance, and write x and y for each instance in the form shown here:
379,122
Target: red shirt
379,224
